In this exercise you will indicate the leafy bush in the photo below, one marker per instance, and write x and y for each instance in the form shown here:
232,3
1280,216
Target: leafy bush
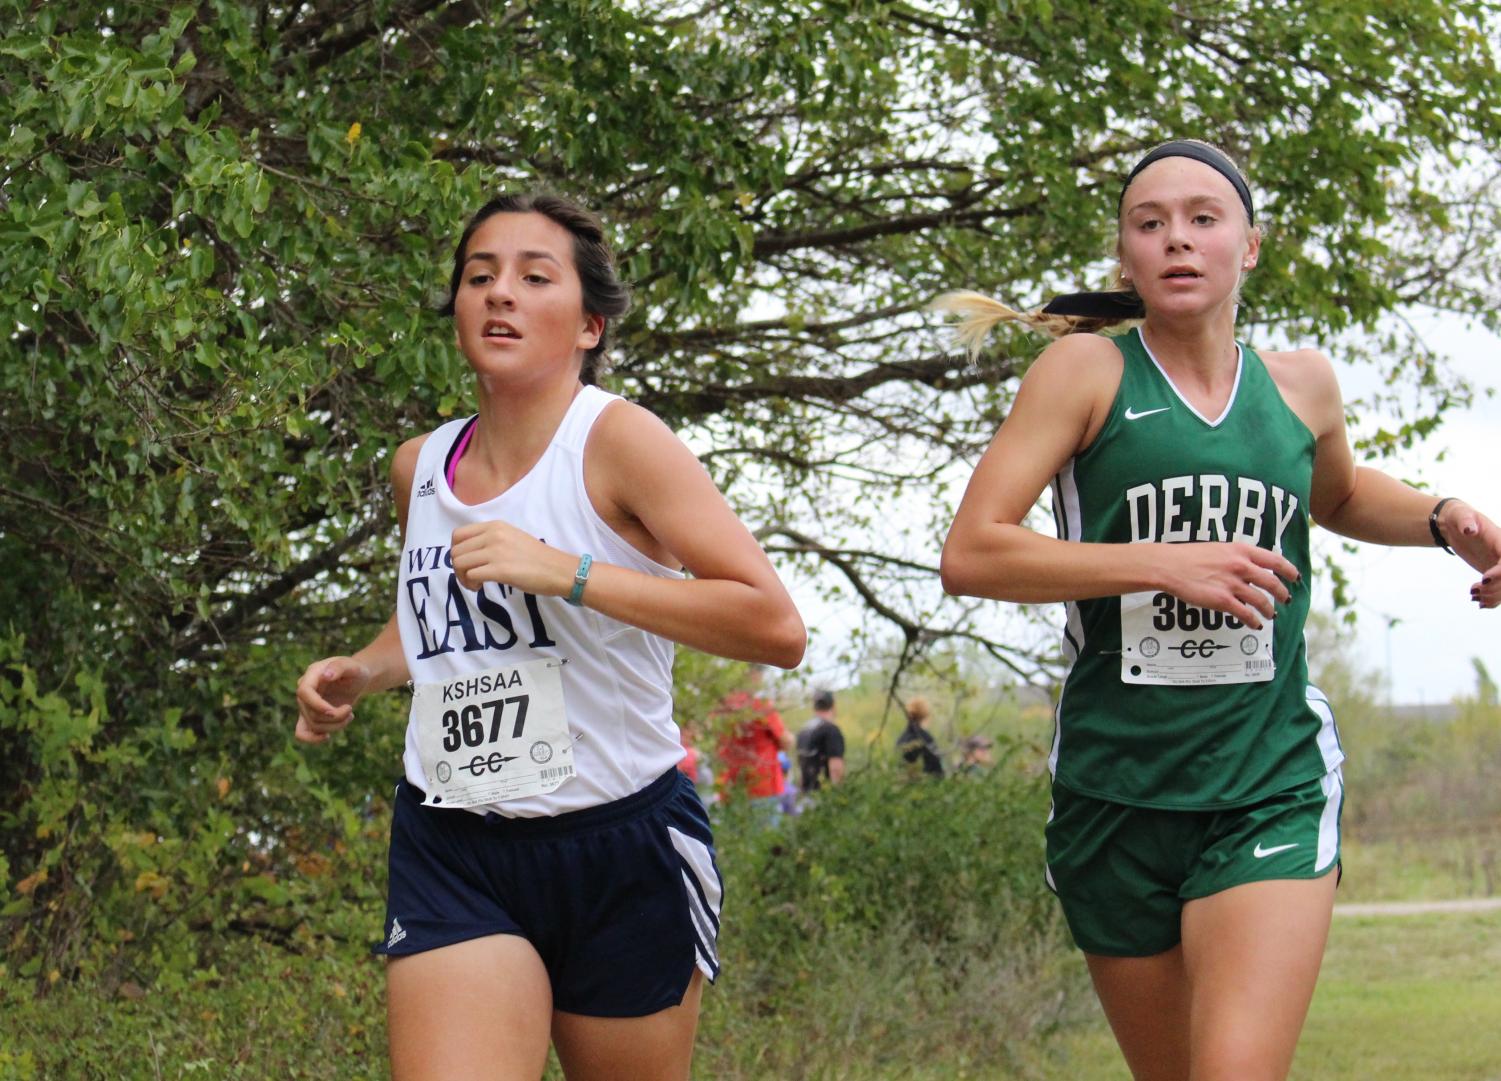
888,849
261,1013
133,852
898,920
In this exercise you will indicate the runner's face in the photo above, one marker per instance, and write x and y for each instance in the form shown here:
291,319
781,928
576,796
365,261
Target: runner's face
519,312
1184,239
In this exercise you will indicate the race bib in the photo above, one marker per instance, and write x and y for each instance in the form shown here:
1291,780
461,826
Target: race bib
496,735
1169,642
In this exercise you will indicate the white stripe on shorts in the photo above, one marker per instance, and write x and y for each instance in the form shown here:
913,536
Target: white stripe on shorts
702,885
1328,737
1333,784
702,933
1047,872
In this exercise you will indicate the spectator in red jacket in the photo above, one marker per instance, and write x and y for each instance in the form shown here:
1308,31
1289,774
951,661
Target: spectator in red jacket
748,749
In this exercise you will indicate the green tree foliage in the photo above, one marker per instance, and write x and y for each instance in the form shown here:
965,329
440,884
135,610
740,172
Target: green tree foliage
224,226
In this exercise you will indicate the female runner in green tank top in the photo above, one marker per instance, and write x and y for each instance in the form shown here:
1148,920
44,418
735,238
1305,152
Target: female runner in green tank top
1194,834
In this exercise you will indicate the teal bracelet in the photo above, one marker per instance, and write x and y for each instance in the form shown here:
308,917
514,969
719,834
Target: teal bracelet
580,580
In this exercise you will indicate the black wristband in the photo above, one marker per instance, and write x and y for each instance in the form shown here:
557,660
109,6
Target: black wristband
1438,538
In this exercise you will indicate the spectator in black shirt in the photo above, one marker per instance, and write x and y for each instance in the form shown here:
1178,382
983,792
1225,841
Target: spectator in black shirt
917,743
820,745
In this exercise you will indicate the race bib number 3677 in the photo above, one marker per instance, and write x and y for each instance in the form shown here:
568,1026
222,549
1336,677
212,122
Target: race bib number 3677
1169,642
496,735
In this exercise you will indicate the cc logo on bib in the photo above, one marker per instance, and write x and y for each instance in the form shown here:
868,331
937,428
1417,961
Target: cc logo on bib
1204,647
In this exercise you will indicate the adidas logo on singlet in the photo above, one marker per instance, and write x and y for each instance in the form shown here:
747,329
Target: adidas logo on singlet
427,488
397,933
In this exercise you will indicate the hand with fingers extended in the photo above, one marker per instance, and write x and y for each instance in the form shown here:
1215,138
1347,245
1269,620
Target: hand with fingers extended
1239,579
499,552
1477,540
326,695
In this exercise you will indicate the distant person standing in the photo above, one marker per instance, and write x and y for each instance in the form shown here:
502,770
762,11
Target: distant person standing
916,744
820,745
976,755
748,750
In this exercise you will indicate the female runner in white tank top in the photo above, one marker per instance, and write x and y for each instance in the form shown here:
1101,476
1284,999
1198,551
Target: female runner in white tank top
532,289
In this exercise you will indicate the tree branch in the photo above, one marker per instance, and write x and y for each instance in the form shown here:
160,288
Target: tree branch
774,243
334,45
943,371
916,636
215,631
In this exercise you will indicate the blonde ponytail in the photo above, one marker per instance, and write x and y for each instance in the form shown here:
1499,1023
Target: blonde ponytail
979,314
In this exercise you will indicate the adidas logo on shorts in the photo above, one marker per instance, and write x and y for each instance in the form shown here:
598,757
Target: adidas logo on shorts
397,933
426,489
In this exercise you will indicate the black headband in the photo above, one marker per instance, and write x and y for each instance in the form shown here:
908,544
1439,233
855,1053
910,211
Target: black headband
1183,148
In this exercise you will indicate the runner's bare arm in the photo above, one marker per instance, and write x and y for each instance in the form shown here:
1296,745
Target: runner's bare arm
734,605
330,687
1059,409
1366,504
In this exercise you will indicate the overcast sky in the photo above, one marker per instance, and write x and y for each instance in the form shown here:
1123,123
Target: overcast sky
1427,652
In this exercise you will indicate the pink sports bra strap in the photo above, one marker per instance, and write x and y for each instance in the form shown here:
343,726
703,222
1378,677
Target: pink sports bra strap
453,461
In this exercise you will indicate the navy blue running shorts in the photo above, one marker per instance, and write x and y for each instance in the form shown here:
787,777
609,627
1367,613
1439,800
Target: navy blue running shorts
621,901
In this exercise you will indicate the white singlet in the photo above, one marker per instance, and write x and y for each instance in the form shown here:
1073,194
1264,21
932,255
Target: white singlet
617,679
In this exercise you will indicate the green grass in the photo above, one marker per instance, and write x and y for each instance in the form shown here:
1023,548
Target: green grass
1401,998
1407,997
1417,869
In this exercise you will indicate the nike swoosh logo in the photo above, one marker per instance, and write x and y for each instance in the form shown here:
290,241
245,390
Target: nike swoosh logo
1131,414
1262,853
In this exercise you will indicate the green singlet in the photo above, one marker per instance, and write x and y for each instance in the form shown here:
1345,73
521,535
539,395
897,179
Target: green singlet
1167,704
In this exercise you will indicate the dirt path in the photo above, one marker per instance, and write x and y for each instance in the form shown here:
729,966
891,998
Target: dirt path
1418,908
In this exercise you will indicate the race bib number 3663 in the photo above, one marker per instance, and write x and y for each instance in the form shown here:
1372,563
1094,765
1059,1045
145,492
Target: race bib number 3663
1169,642
492,736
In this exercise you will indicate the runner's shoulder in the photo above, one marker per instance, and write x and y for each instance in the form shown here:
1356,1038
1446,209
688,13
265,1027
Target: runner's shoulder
1079,356
1302,368
403,469
1080,370
1307,382
623,427
404,461
631,451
